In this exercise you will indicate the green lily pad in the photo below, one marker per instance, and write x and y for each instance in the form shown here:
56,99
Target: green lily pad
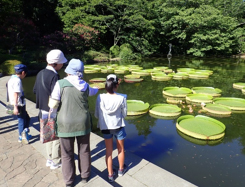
201,127
186,70
168,71
91,70
133,80
231,102
174,100
198,141
215,92
141,72
164,117
180,75
90,66
198,75
239,85
161,77
98,80
199,98
107,70
243,90
161,68
131,76
164,110
210,72
136,107
217,109
179,92
98,85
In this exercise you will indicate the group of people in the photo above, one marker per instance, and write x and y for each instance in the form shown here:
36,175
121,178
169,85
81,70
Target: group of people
73,119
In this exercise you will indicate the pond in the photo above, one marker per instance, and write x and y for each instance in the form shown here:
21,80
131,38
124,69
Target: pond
203,163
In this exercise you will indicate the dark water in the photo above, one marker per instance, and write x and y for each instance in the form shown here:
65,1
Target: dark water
217,163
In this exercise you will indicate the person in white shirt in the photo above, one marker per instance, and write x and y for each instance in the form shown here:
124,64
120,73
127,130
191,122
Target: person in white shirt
17,99
110,110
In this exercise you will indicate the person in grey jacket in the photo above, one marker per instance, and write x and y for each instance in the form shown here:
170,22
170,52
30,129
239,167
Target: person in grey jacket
111,109
74,121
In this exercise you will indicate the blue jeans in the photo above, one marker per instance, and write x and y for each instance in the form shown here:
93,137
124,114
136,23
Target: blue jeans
119,134
23,119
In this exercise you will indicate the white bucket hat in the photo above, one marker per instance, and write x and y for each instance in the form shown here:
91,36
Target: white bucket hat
56,56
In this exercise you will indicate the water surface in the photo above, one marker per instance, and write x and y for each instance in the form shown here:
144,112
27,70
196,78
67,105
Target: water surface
219,163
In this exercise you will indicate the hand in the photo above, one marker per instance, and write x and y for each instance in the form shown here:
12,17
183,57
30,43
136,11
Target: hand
16,111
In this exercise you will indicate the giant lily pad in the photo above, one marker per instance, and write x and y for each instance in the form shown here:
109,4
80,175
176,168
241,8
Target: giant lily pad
133,80
98,80
141,72
199,141
243,90
161,68
92,69
131,76
107,70
186,70
210,72
161,77
201,127
164,110
198,75
217,109
215,92
199,98
136,107
231,102
239,85
164,117
180,75
174,100
179,92
98,85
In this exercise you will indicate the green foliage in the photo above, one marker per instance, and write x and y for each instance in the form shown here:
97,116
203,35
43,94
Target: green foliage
94,56
200,31
5,57
114,51
126,52
7,68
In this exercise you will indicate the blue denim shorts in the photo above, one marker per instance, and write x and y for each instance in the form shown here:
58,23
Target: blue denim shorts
119,134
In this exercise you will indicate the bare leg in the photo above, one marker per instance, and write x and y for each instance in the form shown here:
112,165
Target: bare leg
121,153
108,158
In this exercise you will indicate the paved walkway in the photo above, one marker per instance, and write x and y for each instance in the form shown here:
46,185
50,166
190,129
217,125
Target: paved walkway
24,165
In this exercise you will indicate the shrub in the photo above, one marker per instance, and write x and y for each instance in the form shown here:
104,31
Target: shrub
114,51
93,56
126,52
7,67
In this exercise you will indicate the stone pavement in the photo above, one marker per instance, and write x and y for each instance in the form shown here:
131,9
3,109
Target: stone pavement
24,165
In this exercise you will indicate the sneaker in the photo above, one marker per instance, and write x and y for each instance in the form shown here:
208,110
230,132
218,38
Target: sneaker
49,163
84,180
122,171
20,139
25,137
55,166
69,185
111,177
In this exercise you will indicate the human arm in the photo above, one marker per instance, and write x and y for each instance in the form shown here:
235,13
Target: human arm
124,107
16,111
56,92
97,107
93,91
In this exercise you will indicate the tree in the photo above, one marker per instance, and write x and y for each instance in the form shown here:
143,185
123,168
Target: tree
126,20
200,30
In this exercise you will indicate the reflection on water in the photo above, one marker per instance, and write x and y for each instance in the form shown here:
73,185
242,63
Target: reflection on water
218,163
